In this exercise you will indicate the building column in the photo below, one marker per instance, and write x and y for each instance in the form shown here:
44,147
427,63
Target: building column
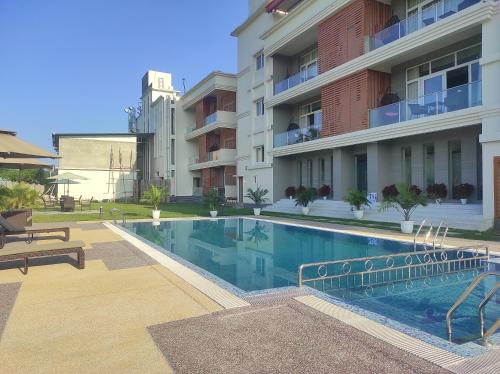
490,136
343,172
379,167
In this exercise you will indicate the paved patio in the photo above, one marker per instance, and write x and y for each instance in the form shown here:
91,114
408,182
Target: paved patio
118,315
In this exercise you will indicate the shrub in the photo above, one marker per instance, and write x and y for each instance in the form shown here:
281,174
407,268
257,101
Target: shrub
290,191
305,197
406,200
357,199
415,189
390,191
20,196
257,196
301,189
437,191
463,191
324,190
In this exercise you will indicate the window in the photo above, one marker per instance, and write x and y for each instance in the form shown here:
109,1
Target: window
429,176
259,61
406,164
454,163
443,73
172,121
259,154
299,172
172,152
309,65
322,180
160,83
310,114
310,176
259,107
260,265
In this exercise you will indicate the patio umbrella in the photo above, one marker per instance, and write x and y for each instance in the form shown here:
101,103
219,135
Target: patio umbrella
67,178
13,147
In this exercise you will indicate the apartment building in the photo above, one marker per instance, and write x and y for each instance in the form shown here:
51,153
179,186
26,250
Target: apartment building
363,94
356,94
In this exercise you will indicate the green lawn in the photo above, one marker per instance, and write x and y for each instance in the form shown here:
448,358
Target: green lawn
132,211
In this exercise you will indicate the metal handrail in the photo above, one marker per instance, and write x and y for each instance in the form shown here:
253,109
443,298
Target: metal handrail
428,257
441,224
491,331
464,295
429,222
112,212
482,305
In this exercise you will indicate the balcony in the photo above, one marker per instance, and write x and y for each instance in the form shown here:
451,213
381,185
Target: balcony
221,157
418,21
296,79
219,119
450,100
298,136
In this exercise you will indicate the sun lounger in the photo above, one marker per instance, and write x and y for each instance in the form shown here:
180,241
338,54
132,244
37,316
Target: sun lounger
7,229
16,251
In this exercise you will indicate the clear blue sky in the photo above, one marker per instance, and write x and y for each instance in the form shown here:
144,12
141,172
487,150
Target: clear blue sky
74,65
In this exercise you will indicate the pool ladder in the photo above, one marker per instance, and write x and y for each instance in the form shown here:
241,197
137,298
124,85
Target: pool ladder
115,211
442,229
485,334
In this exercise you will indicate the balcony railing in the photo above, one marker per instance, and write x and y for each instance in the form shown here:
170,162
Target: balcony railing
450,100
298,136
417,21
212,118
296,79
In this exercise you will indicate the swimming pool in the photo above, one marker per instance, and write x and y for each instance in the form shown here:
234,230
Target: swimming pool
255,255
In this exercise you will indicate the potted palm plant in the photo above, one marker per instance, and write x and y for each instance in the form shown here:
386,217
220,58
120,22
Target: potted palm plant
463,192
408,199
17,200
304,198
324,191
213,200
154,197
258,197
357,200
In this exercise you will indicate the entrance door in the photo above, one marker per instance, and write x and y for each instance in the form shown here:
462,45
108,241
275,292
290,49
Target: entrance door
496,181
362,172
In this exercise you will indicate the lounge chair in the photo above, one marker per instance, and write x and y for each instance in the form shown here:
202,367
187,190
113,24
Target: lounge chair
16,251
7,229
85,203
48,202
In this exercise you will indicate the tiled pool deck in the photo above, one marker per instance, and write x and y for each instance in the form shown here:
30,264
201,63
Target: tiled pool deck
61,319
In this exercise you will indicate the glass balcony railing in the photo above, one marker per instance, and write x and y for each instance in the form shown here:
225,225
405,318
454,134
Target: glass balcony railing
419,20
450,100
296,79
298,135
212,118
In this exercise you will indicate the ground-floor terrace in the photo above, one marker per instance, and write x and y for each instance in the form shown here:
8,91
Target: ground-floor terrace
451,157
127,312
221,178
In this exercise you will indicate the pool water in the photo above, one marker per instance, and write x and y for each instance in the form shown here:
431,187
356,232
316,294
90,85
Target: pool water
257,255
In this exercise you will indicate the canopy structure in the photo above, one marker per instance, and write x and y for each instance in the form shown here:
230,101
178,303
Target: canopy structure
66,179
13,147
23,163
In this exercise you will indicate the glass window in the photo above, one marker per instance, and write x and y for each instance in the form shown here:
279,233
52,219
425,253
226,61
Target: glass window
469,54
172,152
160,83
455,163
172,121
443,63
310,173
406,164
259,61
259,154
259,104
429,176
299,172
322,171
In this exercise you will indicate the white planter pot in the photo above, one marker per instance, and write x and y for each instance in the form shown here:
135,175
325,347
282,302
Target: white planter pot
358,213
290,197
156,214
437,201
463,201
213,213
324,197
305,210
407,227
155,223
256,211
